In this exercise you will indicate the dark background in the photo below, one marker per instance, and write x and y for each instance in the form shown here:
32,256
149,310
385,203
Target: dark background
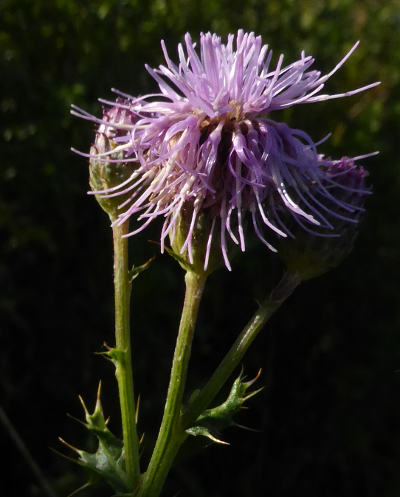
329,417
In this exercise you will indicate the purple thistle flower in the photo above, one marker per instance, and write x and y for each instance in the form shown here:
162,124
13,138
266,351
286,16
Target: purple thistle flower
202,145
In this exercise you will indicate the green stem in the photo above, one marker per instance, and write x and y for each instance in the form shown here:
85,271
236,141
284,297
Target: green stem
172,433
123,358
270,304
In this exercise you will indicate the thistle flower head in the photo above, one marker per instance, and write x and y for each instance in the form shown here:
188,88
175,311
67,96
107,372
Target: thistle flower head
203,146
310,254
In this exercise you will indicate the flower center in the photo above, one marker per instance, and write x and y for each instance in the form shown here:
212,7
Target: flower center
236,112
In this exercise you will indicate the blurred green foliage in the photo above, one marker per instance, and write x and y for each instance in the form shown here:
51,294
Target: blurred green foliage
329,414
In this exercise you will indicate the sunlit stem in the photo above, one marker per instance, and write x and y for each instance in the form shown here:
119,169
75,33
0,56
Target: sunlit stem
175,422
123,359
172,432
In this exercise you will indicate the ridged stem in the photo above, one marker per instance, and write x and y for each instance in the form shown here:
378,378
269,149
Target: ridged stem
172,433
123,358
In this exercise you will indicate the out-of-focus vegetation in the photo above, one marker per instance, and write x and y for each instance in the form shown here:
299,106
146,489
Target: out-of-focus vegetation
329,416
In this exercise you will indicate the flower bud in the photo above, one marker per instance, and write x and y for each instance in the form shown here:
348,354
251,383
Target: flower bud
193,242
310,254
107,169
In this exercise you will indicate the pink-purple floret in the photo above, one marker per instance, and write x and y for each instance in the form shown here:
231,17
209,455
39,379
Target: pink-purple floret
203,142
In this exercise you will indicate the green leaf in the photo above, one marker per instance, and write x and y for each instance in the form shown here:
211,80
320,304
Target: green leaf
107,463
203,431
136,270
214,420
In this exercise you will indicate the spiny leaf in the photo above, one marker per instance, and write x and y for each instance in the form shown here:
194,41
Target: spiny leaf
214,420
196,431
136,270
107,462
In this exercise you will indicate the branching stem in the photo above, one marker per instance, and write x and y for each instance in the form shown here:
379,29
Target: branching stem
175,422
266,309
